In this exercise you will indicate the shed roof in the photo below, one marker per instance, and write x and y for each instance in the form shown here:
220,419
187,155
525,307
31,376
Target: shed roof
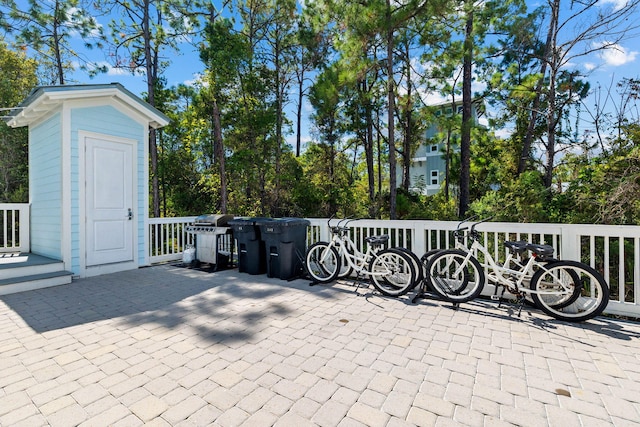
43,99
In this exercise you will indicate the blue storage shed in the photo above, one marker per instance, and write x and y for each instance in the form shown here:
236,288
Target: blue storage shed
88,175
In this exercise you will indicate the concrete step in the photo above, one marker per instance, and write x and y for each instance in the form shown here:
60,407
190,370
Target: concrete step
18,265
34,281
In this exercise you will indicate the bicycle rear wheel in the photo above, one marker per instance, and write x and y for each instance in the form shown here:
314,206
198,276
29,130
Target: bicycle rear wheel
323,262
570,290
392,272
455,275
417,265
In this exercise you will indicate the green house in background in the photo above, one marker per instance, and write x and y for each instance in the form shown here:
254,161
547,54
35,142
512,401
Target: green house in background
427,171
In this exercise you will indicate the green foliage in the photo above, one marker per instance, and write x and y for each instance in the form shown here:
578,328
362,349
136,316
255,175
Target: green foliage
522,200
49,28
436,207
17,79
340,52
606,190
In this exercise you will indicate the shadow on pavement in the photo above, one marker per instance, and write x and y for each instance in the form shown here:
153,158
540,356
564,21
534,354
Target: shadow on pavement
165,295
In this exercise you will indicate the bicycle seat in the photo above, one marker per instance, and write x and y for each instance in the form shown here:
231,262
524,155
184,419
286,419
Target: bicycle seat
377,240
516,247
541,250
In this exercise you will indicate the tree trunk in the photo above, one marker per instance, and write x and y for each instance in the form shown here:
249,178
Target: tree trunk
299,112
447,166
368,149
56,41
151,73
280,88
391,116
465,136
551,102
406,146
219,156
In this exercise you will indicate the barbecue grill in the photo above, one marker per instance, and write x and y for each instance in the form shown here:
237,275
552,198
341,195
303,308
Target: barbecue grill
214,244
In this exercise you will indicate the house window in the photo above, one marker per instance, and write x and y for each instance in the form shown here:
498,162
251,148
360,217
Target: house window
448,111
435,177
460,109
434,148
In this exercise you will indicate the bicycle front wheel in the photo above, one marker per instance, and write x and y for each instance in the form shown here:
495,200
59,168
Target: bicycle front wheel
323,262
455,275
345,268
570,291
392,272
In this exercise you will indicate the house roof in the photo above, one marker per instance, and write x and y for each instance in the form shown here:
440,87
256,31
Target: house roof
43,99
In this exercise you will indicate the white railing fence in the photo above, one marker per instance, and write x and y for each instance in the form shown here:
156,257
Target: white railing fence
168,238
612,250
14,227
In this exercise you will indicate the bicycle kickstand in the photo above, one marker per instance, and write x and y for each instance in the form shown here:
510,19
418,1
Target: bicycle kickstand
520,301
496,297
419,293
359,282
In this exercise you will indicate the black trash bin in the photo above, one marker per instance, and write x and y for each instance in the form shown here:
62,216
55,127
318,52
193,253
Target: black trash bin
285,241
251,248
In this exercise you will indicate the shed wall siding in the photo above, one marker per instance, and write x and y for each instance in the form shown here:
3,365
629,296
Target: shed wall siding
109,121
45,173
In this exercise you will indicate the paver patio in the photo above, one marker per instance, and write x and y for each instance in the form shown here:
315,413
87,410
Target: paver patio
171,346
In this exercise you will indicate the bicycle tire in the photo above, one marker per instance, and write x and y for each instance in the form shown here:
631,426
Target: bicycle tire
561,302
455,275
322,262
392,272
417,265
582,301
345,268
425,258
567,299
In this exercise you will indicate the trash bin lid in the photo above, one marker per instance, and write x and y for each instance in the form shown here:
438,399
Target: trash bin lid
282,223
262,220
293,222
248,220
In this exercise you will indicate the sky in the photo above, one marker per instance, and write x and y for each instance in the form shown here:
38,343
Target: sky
602,68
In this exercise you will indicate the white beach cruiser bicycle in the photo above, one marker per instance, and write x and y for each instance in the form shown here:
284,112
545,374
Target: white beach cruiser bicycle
567,290
390,270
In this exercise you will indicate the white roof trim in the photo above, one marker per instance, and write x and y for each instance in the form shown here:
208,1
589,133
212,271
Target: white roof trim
42,100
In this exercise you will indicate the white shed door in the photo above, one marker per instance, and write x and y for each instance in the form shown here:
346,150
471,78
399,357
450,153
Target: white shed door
109,201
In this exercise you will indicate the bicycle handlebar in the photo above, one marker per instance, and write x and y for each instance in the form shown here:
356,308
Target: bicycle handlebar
473,233
341,226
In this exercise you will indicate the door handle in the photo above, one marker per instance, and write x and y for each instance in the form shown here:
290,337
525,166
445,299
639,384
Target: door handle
130,215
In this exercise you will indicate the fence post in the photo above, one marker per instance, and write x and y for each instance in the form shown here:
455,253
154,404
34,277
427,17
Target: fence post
570,247
419,246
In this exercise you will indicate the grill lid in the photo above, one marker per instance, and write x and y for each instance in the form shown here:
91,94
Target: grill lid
218,220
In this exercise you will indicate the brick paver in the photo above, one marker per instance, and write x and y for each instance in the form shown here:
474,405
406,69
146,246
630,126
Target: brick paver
170,346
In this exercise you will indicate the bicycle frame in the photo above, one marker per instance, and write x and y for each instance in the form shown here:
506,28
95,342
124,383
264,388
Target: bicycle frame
348,251
501,275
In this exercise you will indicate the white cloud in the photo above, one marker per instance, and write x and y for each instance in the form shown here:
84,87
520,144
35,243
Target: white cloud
617,4
617,55
116,71
504,133
589,66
